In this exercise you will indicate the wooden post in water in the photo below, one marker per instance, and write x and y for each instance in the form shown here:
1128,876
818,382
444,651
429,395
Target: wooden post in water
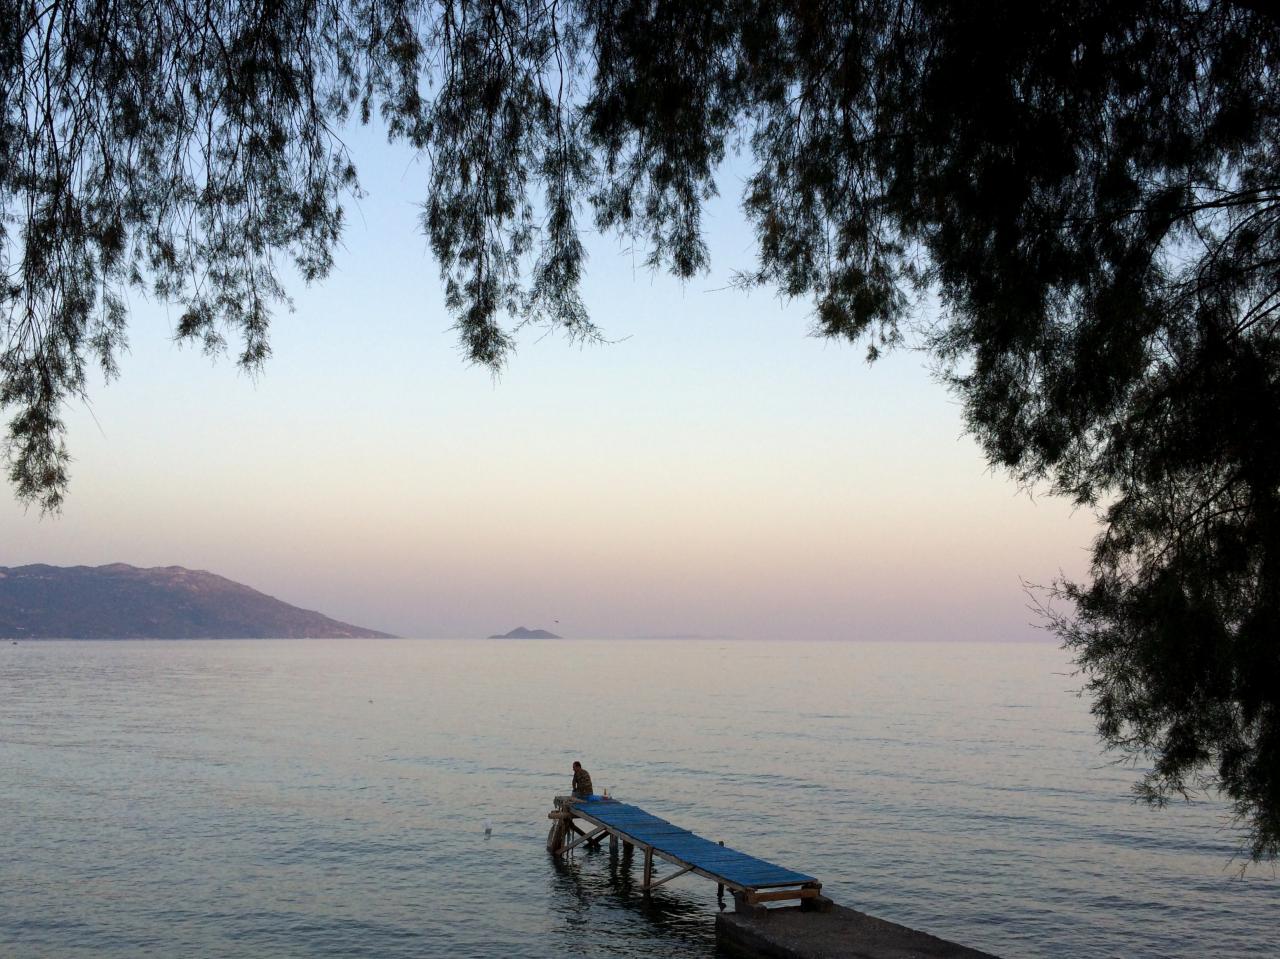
562,826
720,888
555,836
648,868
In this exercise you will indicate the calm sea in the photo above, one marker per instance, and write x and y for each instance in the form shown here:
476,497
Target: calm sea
328,798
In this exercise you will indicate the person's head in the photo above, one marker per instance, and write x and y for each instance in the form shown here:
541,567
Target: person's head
576,765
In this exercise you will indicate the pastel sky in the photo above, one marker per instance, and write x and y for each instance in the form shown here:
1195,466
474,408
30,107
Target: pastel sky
715,470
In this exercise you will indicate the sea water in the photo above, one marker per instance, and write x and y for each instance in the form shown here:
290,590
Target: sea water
329,798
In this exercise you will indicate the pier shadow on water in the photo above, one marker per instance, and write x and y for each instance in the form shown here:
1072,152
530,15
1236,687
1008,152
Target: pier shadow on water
595,892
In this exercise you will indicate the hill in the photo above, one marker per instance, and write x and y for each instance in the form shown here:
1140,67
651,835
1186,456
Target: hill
521,633
125,602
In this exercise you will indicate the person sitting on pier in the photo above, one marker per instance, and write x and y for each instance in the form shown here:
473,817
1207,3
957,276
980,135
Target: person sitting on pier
581,781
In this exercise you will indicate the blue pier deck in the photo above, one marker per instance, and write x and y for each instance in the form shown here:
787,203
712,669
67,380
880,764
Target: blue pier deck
753,881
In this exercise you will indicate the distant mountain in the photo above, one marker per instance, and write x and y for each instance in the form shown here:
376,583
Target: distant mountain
169,602
521,633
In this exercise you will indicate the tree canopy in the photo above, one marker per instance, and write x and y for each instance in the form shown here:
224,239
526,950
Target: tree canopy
1090,189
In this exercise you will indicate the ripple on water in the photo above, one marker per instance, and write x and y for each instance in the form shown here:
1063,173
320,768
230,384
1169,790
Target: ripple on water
249,799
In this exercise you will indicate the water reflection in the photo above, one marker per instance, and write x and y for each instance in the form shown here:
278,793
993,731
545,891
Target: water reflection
589,881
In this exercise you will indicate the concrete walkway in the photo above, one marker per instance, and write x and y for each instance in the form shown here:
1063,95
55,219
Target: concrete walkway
837,933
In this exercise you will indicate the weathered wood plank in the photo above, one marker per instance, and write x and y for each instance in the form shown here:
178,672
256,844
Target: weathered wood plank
807,892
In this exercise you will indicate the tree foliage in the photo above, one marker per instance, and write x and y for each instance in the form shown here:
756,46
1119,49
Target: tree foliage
1090,188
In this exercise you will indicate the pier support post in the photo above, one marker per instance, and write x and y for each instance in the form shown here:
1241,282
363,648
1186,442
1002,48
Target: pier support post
613,844
720,888
563,828
818,903
559,833
648,869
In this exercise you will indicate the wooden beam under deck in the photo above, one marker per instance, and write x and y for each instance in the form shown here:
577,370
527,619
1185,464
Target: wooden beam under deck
583,838
675,875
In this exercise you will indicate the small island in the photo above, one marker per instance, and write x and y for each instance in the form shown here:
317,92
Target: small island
521,632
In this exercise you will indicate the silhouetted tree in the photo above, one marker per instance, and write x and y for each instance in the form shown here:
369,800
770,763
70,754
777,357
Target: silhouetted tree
1090,189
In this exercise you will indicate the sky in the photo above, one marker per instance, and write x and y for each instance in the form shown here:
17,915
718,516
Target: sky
713,470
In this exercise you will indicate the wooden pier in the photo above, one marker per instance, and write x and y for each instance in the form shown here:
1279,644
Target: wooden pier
752,881
762,925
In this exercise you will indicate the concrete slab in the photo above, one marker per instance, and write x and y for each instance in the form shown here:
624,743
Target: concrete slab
838,933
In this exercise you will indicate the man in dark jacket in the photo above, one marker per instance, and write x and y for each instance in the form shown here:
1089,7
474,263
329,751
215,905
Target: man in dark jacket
581,781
